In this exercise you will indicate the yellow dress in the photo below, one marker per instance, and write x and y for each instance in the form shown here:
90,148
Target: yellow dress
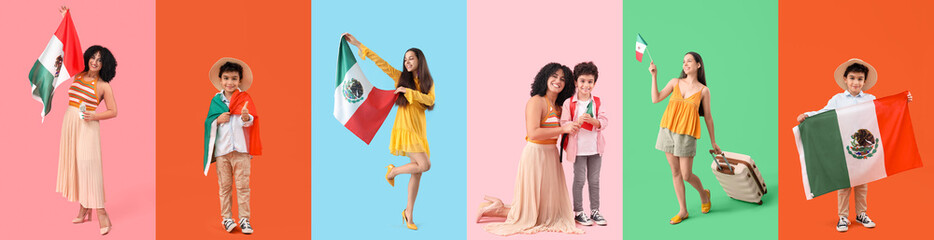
408,132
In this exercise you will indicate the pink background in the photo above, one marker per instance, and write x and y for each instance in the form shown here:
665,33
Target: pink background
507,44
32,208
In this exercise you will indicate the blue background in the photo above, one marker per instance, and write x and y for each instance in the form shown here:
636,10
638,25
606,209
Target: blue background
350,196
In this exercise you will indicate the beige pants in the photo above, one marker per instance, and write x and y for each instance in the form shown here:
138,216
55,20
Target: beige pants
843,200
234,166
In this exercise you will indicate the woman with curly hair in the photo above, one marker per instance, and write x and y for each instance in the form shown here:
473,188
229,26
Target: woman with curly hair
80,173
541,202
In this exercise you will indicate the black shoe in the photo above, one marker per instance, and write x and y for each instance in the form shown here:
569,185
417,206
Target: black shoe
597,218
582,218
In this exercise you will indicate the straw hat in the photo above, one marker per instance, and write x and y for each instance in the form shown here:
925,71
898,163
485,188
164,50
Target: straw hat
245,81
871,78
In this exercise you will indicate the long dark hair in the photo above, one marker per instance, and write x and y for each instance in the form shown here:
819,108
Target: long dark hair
540,84
700,77
407,79
108,62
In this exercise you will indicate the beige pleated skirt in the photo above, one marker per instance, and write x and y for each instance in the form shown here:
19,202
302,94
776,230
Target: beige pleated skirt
80,174
541,201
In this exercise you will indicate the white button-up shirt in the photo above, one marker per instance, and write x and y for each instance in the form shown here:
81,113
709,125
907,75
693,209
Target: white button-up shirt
842,100
230,134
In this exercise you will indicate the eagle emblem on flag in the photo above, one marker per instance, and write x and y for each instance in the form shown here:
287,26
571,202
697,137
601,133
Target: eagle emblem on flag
353,90
862,144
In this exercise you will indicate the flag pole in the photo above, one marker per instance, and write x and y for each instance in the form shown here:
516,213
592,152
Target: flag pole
649,53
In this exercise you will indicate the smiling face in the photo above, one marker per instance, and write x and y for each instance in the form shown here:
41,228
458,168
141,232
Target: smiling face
690,65
94,64
556,81
585,84
410,61
230,81
854,82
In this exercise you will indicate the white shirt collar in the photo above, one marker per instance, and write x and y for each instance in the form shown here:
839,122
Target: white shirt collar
859,95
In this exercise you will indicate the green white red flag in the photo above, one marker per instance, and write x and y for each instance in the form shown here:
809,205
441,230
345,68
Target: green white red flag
60,61
855,145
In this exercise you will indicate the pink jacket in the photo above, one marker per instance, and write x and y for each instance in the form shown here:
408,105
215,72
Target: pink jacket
568,116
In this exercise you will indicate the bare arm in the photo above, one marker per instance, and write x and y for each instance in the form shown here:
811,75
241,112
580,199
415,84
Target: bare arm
708,118
107,95
656,95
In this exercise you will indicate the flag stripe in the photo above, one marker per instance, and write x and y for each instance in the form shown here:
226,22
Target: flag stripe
345,61
826,169
42,88
897,134
862,167
370,115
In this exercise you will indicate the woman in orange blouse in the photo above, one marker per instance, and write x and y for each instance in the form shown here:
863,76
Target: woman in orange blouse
409,137
680,127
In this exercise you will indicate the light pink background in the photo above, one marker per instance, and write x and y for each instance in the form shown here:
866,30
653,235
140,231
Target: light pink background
31,207
507,44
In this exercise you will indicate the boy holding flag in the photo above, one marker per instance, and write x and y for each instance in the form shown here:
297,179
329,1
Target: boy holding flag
585,147
854,76
232,137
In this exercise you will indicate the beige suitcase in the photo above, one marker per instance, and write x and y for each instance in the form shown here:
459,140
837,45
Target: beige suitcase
739,176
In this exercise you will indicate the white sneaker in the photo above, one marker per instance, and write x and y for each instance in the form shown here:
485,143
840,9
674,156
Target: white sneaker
229,224
583,219
862,218
842,225
245,226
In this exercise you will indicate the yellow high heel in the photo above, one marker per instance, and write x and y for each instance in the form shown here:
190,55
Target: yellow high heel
407,223
677,219
392,182
705,207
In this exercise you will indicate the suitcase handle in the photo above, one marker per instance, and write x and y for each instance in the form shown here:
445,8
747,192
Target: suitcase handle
722,155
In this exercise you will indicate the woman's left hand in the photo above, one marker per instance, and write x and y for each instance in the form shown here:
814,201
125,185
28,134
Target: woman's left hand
401,90
909,96
89,116
716,148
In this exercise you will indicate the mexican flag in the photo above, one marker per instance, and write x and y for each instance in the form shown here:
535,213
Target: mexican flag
61,60
587,125
640,47
358,105
855,145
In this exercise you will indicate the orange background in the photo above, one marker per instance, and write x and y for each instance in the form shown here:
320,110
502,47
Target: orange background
814,38
274,39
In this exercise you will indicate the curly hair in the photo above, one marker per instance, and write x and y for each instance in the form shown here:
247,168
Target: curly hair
108,62
585,68
425,82
540,84
230,67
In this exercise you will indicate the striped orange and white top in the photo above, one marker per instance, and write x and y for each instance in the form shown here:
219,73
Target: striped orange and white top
549,121
82,91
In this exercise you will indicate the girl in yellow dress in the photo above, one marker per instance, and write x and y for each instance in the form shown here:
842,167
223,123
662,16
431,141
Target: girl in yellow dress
408,137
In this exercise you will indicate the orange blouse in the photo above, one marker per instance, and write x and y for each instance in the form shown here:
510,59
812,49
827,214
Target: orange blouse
681,116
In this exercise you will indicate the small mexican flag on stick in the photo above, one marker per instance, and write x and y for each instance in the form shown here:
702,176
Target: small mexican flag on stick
641,47
587,125
60,61
855,145
359,106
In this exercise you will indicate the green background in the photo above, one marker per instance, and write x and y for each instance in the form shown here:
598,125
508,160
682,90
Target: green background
739,46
